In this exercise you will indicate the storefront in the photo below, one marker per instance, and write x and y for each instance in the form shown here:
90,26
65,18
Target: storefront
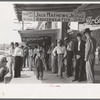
61,13
92,20
39,37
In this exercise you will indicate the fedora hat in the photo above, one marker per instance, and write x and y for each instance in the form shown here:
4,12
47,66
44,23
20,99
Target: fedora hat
79,35
87,30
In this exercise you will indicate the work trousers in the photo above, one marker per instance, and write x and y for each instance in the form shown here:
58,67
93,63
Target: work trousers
25,61
60,64
39,72
18,66
90,68
30,63
80,70
11,64
69,63
53,64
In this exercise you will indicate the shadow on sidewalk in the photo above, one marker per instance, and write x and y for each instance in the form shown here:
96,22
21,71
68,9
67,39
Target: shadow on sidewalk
24,76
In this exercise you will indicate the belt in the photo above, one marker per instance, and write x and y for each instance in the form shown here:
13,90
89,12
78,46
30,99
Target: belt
61,54
11,56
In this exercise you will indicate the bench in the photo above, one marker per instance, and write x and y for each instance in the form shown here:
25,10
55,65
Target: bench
7,78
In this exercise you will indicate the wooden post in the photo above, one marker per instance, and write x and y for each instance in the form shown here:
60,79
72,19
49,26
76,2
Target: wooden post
22,25
65,27
22,22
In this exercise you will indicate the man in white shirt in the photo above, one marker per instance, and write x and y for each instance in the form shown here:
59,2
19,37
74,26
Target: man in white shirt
11,58
18,54
60,50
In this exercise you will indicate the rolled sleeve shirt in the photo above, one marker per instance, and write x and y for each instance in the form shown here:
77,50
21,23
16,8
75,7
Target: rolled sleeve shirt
60,50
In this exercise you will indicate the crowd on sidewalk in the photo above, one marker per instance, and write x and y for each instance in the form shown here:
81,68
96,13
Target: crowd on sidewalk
71,57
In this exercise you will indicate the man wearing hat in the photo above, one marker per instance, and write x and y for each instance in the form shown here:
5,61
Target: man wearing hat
90,55
61,52
79,52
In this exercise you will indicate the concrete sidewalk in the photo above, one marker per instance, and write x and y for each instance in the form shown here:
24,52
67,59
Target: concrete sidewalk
27,77
30,77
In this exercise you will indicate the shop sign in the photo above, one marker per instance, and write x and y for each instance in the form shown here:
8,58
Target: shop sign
53,16
93,21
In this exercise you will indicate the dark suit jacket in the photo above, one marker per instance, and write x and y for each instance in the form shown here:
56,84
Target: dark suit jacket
82,49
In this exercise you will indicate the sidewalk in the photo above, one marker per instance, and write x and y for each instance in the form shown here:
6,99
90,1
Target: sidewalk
97,73
27,77
30,77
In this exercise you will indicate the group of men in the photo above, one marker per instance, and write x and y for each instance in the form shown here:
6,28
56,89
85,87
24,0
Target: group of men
83,52
21,57
15,59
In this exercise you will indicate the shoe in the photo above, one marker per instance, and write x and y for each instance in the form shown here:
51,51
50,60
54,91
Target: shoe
53,72
67,76
15,76
57,75
74,80
41,78
80,80
61,76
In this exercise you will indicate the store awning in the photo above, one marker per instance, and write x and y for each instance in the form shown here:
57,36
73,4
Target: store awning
86,7
32,34
43,7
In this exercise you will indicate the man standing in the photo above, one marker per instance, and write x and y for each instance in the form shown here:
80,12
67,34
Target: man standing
90,55
30,58
25,57
70,48
79,51
18,60
11,58
61,54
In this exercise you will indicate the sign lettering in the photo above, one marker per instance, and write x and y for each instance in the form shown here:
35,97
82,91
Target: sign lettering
52,16
91,21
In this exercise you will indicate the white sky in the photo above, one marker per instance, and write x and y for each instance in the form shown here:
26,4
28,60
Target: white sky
7,16
7,25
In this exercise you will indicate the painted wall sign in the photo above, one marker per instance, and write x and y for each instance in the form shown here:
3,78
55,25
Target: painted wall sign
93,21
53,16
